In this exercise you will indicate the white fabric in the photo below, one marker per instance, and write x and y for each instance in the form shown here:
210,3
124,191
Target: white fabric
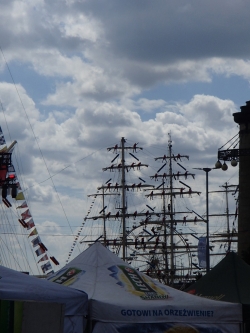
19,286
120,294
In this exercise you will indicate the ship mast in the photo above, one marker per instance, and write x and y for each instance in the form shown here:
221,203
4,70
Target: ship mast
148,238
228,235
171,247
123,201
119,189
171,211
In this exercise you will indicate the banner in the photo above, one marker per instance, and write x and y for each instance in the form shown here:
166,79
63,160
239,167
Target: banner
202,245
165,328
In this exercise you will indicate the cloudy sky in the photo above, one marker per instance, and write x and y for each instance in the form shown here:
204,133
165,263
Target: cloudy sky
77,75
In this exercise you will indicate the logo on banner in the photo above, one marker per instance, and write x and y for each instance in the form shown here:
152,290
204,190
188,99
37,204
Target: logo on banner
67,276
137,284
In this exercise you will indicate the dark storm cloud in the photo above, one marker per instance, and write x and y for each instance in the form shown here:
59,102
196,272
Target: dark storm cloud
167,31
143,31
143,42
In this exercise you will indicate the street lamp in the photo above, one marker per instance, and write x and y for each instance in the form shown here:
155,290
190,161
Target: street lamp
207,170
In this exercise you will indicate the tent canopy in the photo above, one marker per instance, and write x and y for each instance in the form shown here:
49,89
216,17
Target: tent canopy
120,294
227,281
19,286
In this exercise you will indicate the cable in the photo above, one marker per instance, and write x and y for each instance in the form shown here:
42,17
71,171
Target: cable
228,141
43,158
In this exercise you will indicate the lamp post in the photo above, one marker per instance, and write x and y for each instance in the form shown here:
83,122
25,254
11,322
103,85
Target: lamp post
207,170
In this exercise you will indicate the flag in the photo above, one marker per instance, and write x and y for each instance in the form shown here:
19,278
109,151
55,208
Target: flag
33,233
26,215
30,224
23,223
46,267
202,245
39,251
43,246
2,140
54,260
44,258
23,205
36,241
20,196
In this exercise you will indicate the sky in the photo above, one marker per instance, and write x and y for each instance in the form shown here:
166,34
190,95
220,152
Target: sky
77,76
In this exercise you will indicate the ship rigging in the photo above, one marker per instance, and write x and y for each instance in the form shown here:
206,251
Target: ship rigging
155,237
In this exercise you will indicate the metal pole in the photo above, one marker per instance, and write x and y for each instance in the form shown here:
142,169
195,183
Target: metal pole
207,204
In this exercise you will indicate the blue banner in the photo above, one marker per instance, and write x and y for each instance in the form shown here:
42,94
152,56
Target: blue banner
202,252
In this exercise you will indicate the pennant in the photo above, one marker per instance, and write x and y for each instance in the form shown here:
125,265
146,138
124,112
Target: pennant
42,246
46,267
39,251
2,140
20,196
23,205
36,241
54,260
6,202
44,258
30,224
26,215
33,233
23,223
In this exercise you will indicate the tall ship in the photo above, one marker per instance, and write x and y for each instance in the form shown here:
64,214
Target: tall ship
147,218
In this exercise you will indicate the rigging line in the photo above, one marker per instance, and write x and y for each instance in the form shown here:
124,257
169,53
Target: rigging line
51,176
36,140
7,258
237,139
13,245
11,225
47,226
233,175
22,234
228,141
10,242
5,119
15,260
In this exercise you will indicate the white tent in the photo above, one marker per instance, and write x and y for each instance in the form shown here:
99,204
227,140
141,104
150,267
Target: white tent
42,297
121,299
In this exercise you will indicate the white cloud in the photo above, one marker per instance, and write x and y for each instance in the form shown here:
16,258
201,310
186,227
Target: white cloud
100,58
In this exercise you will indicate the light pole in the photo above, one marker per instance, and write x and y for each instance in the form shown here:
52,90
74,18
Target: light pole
207,170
